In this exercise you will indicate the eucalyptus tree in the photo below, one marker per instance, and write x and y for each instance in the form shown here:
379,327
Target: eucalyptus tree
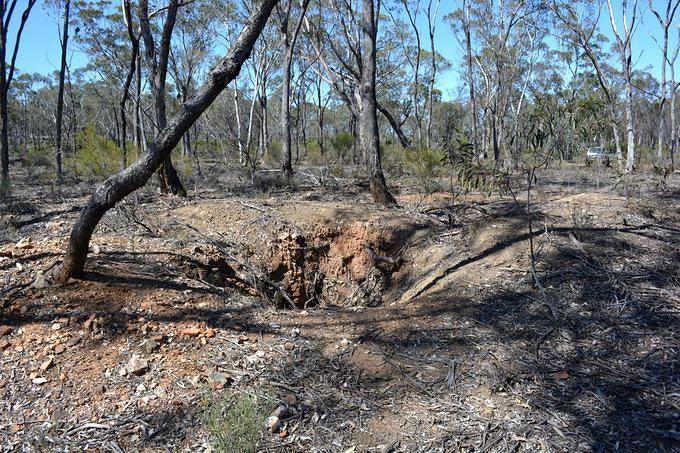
193,43
157,58
289,35
581,19
64,7
368,126
7,15
624,39
122,184
665,22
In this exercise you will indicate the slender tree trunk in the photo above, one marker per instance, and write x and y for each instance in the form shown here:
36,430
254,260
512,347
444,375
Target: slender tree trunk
138,135
285,108
4,136
120,185
6,76
368,126
134,42
158,67
431,21
60,94
630,131
471,79
241,152
674,130
288,50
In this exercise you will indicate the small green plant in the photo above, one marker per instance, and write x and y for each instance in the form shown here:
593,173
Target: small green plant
96,156
342,143
471,174
235,422
38,157
313,154
426,165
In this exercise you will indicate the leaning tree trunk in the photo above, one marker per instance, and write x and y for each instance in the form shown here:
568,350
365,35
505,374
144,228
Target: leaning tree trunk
136,175
369,132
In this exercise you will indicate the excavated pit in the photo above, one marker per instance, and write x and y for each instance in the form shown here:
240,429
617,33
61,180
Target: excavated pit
351,264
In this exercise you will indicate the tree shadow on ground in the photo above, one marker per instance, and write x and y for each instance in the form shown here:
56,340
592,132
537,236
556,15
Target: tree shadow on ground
592,367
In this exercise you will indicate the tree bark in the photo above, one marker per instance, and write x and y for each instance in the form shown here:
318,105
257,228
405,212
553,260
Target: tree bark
134,42
369,132
6,76
288,49
60,94
158,68
119,185
471,79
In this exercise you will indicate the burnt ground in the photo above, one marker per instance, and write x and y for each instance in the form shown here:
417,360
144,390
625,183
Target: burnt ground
418,328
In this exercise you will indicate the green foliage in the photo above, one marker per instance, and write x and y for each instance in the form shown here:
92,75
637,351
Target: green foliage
470,173
342,143
96,156
313,154
235,422
423,162
38,157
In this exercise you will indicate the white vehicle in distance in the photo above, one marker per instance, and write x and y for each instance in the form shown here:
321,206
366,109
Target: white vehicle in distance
599,153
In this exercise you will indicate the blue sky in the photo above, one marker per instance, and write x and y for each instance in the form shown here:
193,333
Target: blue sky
40,51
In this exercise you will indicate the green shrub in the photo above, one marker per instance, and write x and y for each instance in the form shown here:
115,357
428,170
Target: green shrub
313,154
38,157
423,162
342,144
235,422
96,156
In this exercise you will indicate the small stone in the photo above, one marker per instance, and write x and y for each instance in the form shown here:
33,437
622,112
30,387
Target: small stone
274,419
4,344
40,282
39,380
210,333
191,331
24,244
161,338
16,428
218,381
137,366
290,399
150,346
5,330
72,341
46,364
59,349
141,388
62,377
273,424
288,346
56,326
89,322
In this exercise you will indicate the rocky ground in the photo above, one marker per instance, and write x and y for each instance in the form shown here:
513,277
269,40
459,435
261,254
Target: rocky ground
311,320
